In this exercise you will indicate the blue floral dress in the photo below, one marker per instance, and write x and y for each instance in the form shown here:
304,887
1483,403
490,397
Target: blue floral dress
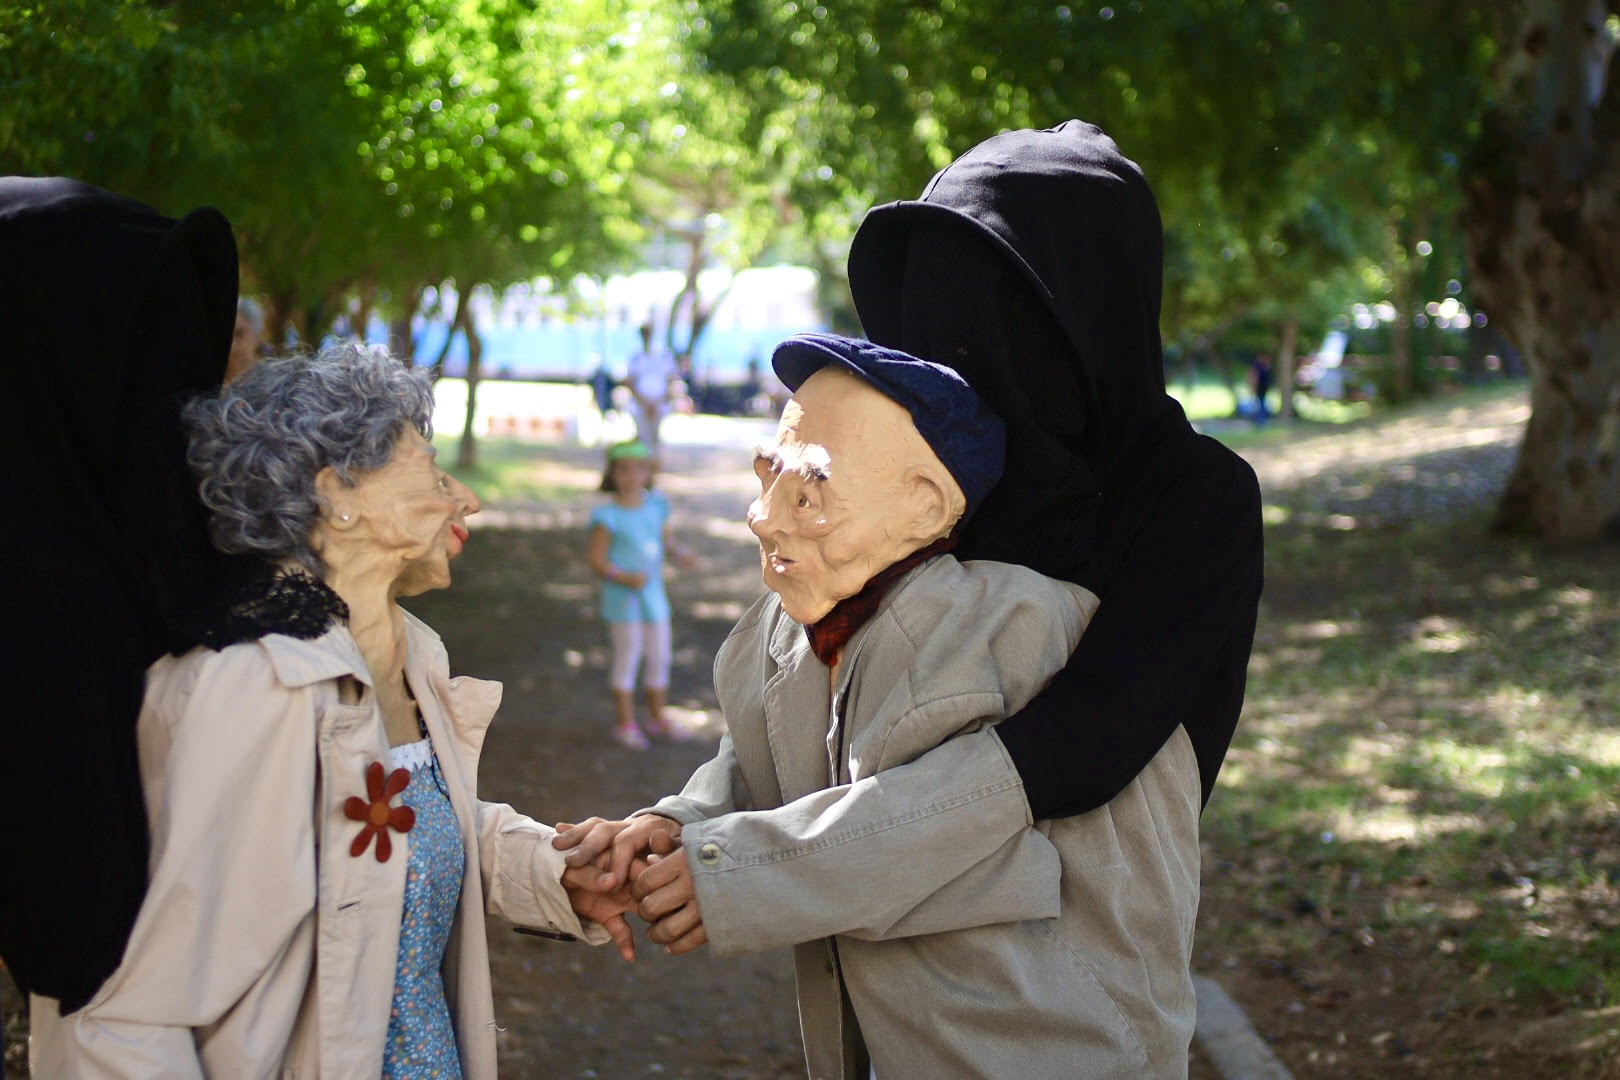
421,1041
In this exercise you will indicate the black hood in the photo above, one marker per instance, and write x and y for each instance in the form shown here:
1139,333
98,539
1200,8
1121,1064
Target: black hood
111,314
1032,264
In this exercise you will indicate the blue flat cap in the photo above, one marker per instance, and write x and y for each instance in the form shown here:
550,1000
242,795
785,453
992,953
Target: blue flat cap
969,439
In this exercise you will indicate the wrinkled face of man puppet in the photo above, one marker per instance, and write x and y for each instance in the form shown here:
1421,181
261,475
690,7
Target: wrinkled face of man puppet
848,488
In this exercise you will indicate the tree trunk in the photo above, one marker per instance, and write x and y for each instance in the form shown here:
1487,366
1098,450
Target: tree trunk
278,309
1400,331
362,317
1223,368
1542,220
400,338
457,321
1190,354
1284,374
467,453
316,320
688,296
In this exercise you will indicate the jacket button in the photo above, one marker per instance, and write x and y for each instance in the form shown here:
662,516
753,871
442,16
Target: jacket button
709,854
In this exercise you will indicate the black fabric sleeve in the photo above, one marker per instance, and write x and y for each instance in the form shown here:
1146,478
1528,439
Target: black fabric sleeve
1169,645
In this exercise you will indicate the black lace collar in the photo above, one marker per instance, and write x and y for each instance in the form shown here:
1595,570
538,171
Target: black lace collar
289,602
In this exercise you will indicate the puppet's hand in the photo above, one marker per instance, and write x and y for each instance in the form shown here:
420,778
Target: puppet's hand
668,902
623,842
594,894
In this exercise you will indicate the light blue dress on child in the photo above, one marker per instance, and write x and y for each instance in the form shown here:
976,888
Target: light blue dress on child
421,1041
637,547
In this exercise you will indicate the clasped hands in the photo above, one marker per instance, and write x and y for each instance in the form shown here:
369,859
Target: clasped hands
636,865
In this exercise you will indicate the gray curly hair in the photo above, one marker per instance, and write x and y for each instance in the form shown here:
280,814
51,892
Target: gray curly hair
256,445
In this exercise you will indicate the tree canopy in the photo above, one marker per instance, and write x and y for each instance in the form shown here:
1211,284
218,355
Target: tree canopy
374,145
1306,154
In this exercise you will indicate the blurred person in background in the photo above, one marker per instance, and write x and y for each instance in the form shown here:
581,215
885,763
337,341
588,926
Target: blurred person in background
651,372
628,536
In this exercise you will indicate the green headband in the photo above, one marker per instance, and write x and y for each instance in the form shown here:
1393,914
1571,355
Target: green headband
629,451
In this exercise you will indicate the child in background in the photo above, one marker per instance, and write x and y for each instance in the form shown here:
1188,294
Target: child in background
628,537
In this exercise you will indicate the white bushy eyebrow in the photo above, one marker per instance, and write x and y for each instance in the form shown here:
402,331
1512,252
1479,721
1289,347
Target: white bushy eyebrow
811,463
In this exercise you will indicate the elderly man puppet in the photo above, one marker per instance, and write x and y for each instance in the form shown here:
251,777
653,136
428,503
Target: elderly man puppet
938,931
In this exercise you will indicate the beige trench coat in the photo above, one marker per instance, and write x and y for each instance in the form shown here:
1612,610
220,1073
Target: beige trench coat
938,931
263,948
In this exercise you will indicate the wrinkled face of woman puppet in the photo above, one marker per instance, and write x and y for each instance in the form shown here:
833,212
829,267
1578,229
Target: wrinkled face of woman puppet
409,515
847,489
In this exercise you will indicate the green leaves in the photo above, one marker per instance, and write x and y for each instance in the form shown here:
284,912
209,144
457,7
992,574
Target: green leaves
1249,118
382,143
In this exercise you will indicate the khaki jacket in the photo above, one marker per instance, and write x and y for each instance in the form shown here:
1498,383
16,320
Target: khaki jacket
263,948
939,932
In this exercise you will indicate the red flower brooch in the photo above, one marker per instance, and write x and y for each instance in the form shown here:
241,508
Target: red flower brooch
378,816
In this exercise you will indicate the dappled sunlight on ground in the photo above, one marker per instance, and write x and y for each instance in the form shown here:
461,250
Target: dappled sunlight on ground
1413,852
1395,443
1436,463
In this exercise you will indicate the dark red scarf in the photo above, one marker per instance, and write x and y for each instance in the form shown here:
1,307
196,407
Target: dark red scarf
829,636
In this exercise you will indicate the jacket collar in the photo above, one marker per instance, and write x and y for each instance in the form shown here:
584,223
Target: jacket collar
788,641
469,704
798,697
299,662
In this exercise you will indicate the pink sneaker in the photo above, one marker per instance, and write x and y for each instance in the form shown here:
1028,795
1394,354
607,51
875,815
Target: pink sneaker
630,737
658,728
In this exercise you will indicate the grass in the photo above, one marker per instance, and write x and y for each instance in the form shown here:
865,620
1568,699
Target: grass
1429,753
508,470
1205,399
1209,399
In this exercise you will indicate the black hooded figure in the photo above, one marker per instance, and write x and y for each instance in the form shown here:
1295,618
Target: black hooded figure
111,314
1032,265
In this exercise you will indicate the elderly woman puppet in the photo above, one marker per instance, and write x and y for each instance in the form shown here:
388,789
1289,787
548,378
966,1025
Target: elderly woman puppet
938,930
321,863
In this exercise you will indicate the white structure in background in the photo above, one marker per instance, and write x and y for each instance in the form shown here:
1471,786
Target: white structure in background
566,413
532,411
539,348
758,298
535,330
1324,372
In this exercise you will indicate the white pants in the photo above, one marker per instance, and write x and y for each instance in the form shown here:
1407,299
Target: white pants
647,418
644,642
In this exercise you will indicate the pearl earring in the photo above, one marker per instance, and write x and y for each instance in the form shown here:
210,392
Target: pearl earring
343,517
